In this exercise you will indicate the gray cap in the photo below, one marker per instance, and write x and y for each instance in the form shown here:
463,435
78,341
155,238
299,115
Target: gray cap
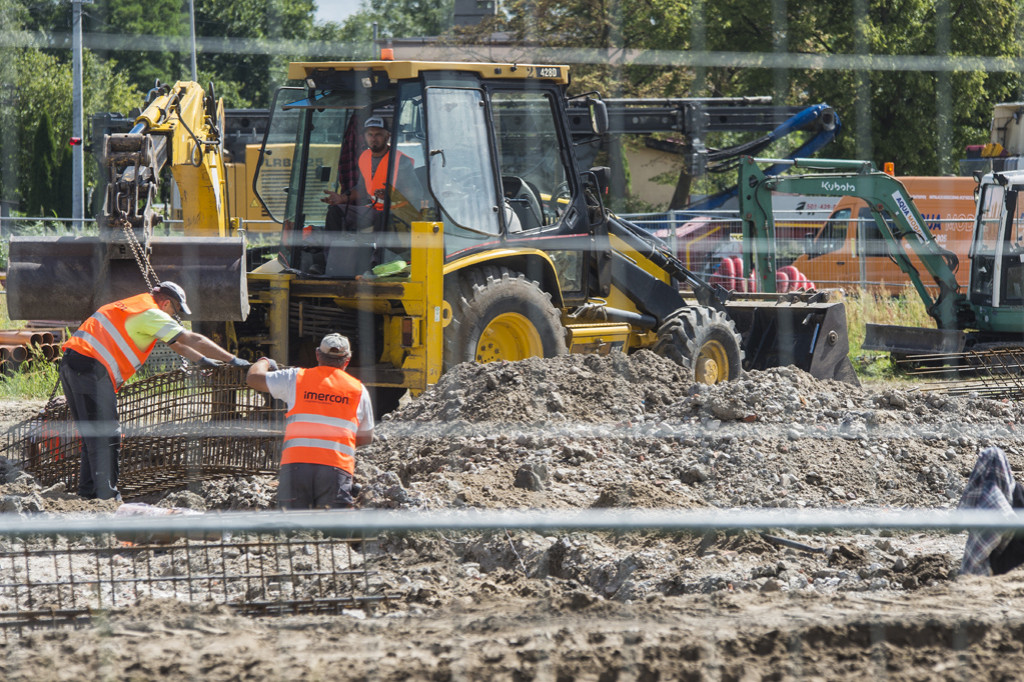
375,122
174,291
335,345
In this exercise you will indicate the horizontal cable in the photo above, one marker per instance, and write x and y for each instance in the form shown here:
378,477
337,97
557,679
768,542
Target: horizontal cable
538,54
374,521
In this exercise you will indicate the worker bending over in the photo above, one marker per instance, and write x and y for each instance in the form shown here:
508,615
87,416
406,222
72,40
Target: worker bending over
329,416
104,353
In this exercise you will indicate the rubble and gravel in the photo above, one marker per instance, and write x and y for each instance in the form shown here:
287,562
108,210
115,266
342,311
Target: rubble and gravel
632,432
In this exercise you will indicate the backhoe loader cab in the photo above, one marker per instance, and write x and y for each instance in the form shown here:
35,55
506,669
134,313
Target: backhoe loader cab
483,151
475,236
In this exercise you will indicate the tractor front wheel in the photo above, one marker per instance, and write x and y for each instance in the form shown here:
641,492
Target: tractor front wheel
500,315
703,340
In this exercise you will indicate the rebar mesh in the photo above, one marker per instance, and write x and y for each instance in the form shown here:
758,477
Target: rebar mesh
992,373
63,580
178,428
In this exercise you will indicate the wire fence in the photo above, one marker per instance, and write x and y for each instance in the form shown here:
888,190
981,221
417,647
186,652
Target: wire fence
56,580
57,571
55,225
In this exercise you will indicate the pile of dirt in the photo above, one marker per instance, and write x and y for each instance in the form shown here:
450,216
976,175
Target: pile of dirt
620,431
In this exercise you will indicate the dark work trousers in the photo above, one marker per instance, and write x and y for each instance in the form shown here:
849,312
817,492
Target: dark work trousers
93,406
313,486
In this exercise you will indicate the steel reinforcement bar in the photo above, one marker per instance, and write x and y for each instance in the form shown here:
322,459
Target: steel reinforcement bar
62,580
178,428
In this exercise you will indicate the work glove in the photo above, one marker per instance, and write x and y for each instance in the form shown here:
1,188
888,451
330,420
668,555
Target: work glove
208,362
270,363
239,362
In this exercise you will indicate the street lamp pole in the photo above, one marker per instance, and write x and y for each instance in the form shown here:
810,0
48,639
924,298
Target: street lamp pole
192,26
77,148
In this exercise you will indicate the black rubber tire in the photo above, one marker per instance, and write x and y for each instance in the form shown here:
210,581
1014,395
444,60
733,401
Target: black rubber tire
481,298
704,341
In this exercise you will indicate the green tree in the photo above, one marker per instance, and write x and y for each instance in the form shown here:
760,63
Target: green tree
401,18
41,87
900,106
41,195
252,76
149,38
12,18
921,119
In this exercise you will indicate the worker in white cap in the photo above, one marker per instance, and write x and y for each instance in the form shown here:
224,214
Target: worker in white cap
329,416
106,351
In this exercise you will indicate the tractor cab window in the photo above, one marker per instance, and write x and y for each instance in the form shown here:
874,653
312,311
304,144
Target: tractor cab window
460,171
351,179
534,179
990,219
276,169
992,249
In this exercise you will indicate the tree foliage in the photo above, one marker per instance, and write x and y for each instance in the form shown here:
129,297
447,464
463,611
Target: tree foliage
919,118
150,37
45,174
902,106
919,115
392,19
253,76
40,88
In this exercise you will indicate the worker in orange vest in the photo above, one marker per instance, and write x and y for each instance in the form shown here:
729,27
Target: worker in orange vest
329,416
362,206
104,353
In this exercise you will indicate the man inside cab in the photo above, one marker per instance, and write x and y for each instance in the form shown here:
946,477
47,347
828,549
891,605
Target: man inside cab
361,208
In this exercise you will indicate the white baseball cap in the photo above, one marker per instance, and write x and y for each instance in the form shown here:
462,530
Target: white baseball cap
375,122
335,344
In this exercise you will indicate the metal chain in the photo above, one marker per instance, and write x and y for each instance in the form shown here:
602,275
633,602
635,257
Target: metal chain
145,267
149,274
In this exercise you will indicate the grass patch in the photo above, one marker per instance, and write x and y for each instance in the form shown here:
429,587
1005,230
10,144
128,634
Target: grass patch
34,380
866,306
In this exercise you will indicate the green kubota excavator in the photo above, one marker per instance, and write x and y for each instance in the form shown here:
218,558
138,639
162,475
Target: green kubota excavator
989,315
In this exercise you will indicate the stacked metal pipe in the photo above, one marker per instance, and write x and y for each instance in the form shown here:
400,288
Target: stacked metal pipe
20,347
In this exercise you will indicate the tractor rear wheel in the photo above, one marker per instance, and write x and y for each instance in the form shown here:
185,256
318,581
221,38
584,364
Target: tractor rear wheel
703,340
498,314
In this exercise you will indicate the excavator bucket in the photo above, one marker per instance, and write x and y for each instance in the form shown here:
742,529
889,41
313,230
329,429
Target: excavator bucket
804,330
68,278
913,340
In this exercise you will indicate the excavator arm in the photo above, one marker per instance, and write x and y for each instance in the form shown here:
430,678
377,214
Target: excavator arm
179,127
899,222
68,278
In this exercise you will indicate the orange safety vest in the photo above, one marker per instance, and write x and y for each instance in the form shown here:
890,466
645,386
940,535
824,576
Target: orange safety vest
374,181
321,427
103,337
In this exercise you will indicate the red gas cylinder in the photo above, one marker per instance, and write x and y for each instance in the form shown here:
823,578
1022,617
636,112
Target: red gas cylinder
739,283
727,274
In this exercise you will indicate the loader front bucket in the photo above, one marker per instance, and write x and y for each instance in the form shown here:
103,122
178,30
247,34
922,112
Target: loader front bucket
804,330
68,278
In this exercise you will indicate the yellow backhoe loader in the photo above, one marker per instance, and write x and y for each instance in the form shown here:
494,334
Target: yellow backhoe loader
486,242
